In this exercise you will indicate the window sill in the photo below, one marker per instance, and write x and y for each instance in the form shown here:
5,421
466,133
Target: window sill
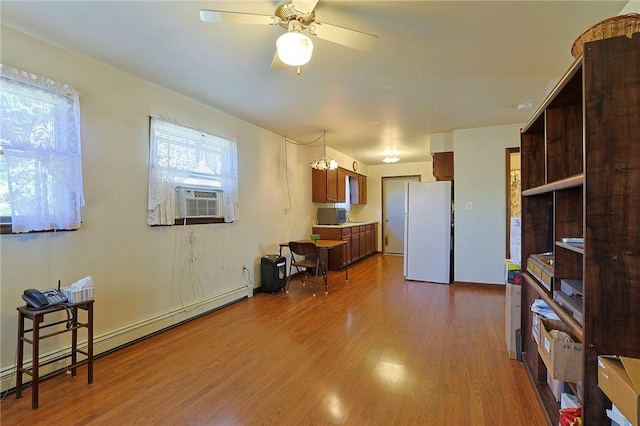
198,220
5,228
195,221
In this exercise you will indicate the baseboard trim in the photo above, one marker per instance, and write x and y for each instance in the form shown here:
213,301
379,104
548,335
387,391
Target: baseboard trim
116,339
472,284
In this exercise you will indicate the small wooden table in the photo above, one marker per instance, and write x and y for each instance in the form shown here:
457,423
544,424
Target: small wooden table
37,316
324,246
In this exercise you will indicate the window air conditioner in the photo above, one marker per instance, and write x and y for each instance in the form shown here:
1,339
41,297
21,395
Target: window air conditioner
198,202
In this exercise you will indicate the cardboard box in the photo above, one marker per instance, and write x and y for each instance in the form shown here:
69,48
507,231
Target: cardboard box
513,296
547,278
563,359
540,266
512,317
619,379
513,307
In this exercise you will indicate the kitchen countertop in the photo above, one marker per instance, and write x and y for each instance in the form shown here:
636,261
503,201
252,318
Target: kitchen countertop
347,224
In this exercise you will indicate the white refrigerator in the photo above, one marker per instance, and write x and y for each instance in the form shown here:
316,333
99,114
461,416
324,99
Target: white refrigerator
427,231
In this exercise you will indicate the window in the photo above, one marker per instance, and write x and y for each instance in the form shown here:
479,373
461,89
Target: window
40,158
184,157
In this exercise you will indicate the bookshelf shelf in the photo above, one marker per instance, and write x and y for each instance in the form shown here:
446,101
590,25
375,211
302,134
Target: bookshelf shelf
570,182
573,247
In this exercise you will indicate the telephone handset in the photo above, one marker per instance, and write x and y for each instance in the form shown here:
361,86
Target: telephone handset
37,299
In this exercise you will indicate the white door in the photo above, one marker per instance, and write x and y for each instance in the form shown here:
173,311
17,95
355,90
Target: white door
393,214
428,231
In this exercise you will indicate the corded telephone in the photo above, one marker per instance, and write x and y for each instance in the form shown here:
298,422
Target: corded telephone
37,299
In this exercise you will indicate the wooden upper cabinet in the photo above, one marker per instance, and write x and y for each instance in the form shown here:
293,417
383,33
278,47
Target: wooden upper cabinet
342,184
362,189
443,165
329,186
324,186
358,188
318,186
332,185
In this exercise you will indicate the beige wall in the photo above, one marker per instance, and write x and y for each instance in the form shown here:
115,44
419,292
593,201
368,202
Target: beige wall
480,178
136,268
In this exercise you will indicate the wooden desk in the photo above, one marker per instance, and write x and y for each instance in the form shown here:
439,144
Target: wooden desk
324,246
37,316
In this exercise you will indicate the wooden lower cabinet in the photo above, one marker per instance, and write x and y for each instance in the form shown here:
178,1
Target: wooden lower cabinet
361,242
346,252
369,242
355,243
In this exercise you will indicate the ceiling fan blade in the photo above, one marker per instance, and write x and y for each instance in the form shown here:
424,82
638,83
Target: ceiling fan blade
237,17
304,6
344,36
277,64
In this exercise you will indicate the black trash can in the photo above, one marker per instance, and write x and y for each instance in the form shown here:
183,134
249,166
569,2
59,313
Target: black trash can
273,273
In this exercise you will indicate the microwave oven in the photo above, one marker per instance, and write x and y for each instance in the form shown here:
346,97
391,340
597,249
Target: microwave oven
331,216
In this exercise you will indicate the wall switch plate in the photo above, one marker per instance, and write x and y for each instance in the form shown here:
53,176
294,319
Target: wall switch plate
469,205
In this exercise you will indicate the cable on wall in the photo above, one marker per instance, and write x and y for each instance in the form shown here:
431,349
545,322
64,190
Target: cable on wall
286,141
286,173
194,276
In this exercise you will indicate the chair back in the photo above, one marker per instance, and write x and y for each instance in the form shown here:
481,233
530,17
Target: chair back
300,248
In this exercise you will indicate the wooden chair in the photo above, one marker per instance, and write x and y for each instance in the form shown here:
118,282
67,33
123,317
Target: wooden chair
306,255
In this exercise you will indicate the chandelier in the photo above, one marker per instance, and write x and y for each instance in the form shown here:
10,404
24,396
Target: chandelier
324,162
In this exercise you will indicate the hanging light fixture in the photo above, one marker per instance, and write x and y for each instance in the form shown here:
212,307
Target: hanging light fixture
390,159
293,47
324,162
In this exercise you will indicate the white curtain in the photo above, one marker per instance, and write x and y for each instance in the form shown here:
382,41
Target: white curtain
180,155
40,137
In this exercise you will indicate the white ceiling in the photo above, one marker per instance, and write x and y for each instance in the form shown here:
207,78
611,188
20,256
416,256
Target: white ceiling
438,65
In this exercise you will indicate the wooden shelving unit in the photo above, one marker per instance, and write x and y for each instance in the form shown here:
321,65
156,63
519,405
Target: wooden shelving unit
581,177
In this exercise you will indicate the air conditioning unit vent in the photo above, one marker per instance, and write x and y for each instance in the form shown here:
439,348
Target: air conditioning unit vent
198,202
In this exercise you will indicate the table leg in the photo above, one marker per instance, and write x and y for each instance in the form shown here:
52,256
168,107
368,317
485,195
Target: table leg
74,340
90,343
35,361
20,355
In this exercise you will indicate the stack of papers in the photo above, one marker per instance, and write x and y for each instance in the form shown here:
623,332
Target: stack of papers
541,308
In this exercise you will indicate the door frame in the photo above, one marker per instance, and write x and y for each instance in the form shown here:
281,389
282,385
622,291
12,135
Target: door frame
509,152
383,202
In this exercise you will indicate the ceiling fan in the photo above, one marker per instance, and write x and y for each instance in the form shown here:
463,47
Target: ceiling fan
294,48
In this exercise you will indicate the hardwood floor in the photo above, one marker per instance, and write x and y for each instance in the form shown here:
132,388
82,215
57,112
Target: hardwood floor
376,351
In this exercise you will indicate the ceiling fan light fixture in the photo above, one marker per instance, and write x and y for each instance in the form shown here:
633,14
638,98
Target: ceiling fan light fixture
293,47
